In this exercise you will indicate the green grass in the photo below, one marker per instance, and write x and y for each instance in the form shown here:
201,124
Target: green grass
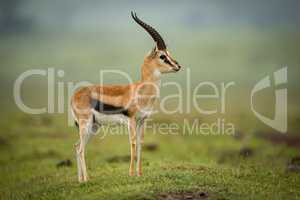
32,146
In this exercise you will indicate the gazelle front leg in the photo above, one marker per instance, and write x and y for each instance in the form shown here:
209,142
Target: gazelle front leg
139,141
132,140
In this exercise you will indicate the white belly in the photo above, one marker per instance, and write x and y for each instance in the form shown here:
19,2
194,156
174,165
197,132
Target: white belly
110,118
144,113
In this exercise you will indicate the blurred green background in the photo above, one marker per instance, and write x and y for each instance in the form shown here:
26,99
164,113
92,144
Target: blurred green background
218,41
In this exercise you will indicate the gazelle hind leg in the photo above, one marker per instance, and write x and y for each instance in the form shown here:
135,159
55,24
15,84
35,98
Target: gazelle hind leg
80,147
78,159
85,134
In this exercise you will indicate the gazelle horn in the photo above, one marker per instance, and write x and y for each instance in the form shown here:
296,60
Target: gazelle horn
154,34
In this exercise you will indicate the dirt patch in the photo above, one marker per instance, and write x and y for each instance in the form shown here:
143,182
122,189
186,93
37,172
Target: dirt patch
118,159
231,156
196,195
3,142
294,165
151,147
185,167
246,152
279,138
64,163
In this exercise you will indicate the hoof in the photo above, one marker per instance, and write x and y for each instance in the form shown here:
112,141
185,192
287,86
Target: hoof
131,173
83,179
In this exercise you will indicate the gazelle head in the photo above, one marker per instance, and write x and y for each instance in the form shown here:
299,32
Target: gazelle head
159,58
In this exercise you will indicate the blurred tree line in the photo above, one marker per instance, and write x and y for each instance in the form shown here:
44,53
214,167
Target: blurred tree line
11,19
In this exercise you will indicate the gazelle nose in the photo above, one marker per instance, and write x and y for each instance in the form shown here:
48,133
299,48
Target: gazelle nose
177,68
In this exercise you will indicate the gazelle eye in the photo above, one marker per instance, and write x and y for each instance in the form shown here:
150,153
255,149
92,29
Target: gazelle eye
162,57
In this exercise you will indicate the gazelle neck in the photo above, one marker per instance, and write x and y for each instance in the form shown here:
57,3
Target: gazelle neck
150,81
150,74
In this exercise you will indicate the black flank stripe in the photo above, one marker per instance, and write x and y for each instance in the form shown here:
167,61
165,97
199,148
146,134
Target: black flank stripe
108,108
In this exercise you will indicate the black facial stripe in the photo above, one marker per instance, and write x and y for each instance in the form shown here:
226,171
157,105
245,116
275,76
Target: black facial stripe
108,108
168,62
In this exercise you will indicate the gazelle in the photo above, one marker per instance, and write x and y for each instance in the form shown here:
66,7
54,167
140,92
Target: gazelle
129,104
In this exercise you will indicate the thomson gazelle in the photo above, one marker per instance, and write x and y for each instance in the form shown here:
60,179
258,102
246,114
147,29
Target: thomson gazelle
131,104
